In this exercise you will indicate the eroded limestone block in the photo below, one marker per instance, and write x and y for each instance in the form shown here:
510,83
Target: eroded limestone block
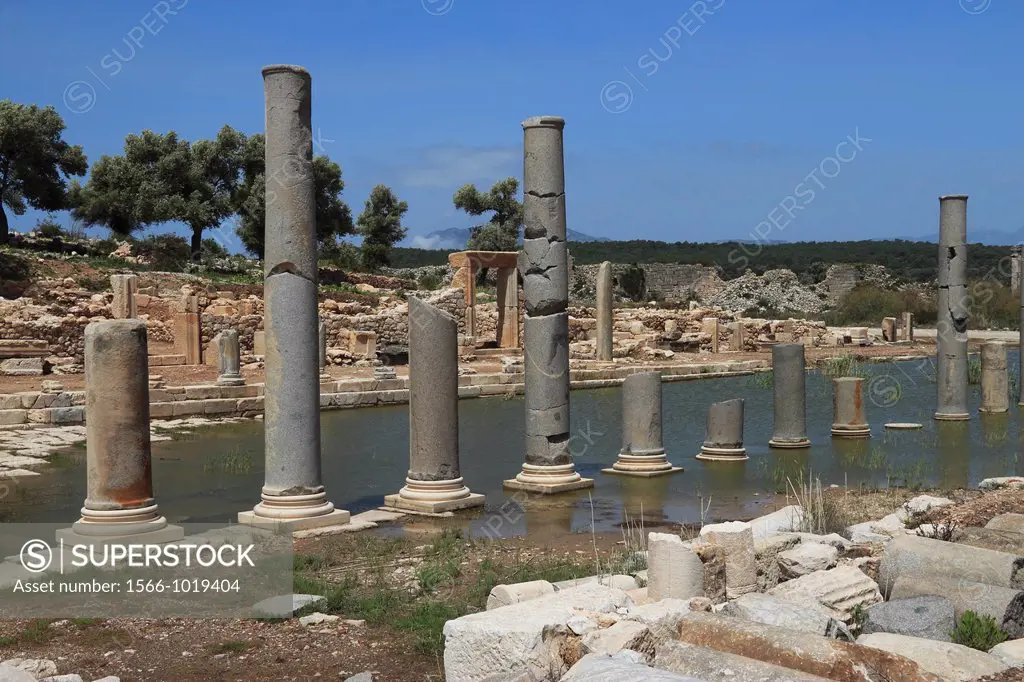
737,539
944,659
673,570
840,589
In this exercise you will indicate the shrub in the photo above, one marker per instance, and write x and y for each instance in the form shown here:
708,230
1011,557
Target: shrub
634,282
210,249
868,304
977,632
167,252
49,228
342,254
429,281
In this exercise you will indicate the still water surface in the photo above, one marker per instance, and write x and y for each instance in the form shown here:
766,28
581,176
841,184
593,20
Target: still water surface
212,473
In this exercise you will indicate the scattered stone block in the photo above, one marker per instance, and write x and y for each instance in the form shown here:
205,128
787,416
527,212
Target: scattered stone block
618,668
1010,652
318,618
520,636
737,539
946,660
662,617
625,634
707,664
803,616
9,673
22,367
13,417
805,558
283,606
787,519
1005,605
925,503
1013,523
37,667
930,617
673,570
840,589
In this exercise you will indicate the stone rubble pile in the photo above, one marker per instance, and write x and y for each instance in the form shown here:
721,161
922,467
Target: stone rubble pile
774,290
762,600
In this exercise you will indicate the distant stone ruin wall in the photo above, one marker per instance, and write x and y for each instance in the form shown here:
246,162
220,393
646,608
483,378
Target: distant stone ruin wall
673,282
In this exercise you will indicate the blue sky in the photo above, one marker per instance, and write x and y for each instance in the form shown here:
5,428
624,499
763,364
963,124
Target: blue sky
685,120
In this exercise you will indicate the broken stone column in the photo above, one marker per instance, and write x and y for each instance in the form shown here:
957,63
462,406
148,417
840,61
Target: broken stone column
322,350
604,312
508,308
1020,358
544,267
736,538
907,329
673,570
790,397
806,652
119,499
710,325
1015,269
724,440
907,556
951,327
293,493
736,336
124,288
188,333
229,359
995,382
889,329
643,453
1004,604
848,414
434,483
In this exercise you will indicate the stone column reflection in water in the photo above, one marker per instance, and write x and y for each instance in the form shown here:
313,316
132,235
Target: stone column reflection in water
293,493
848,413
229,359
724,440
119,499
995,386
790,396
951,327
543,263
605,313
434,483
643,453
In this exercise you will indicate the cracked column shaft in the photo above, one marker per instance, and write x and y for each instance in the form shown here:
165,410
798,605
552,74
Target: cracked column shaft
293,495
543,264
951,327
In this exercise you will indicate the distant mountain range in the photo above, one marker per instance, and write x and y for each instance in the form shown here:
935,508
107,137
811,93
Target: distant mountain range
986,237
456,238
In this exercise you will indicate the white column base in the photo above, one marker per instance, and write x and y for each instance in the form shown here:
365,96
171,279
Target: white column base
548,479
143,525
434,497
294,512
231,380
713,454
646,465
862,431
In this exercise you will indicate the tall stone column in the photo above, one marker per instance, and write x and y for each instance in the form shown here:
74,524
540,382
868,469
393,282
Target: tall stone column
951,327
293,493
604,312
995,386
1020,358
724,440
321,353
434,483
711,328
544,266
123,304
229,359
790,396
119,500
1015,269
848,414
643,453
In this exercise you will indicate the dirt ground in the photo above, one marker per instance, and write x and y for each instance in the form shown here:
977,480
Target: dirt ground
394,632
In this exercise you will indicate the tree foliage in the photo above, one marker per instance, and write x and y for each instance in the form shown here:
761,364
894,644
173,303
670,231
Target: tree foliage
162,178
501,232
35,161
380,225
333,216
